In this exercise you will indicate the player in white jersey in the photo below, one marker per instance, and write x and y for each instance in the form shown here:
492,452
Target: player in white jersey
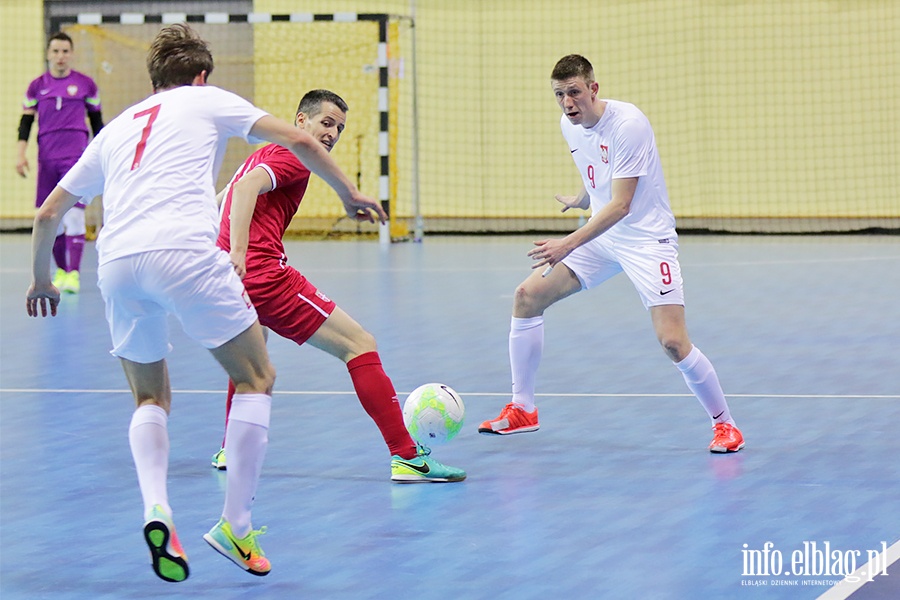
156,166
631,230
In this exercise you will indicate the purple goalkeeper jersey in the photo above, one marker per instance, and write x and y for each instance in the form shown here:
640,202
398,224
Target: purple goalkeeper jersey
61,106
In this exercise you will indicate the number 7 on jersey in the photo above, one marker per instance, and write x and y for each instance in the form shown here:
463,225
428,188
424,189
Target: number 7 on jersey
153,111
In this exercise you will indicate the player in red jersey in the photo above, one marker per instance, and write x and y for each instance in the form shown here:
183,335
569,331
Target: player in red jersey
258,205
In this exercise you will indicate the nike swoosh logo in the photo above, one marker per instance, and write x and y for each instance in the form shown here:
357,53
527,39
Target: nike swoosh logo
452,395
663,293
245,555
573,151
718,415
424,469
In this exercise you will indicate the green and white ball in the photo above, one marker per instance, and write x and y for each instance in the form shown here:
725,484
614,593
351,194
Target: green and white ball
434,414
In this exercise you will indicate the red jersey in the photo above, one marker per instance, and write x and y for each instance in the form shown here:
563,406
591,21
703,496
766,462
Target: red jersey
285,301
274,209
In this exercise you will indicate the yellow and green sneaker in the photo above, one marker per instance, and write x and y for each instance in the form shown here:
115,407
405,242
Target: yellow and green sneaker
244,552
71,283
59,278
218,460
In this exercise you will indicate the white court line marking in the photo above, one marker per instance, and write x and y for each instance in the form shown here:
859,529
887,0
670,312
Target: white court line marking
542,395
843,589
516,268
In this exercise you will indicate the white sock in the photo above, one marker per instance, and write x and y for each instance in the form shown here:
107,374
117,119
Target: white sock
148,437
701,378
526,347
245,448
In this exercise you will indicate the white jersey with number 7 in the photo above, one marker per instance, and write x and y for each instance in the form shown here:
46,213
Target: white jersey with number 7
156,166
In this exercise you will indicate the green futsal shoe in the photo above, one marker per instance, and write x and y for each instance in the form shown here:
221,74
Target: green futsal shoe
423,469
71,284
59,279
218,460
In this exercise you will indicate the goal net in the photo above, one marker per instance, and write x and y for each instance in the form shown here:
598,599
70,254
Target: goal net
770,116
272,60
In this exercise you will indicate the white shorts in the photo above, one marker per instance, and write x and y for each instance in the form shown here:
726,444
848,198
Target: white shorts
199,287
72,222
652,268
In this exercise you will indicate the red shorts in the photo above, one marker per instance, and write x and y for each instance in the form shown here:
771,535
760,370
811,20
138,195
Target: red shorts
287,303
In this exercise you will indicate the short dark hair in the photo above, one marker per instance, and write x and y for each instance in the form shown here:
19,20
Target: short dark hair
63,37
177,55
311,103
573,65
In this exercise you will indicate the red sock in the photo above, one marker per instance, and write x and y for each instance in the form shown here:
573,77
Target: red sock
228,406
378,398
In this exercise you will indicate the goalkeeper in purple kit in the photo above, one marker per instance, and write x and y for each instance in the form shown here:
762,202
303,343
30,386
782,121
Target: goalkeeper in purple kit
60,98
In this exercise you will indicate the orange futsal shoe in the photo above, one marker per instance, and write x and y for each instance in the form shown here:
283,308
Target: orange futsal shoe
512,419
726,438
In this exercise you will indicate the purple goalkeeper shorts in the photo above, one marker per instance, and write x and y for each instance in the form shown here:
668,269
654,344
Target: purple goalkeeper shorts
49,173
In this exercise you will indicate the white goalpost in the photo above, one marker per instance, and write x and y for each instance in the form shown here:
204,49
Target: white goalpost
272,59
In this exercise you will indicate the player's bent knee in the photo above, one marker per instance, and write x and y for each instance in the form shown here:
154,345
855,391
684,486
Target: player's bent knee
675,348
530,302
358,346
268,378
366,343
523,299
257,378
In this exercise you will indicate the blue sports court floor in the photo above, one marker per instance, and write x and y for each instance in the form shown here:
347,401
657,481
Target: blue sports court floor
615,497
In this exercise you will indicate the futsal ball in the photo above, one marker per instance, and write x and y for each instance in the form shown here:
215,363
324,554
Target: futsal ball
434,414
